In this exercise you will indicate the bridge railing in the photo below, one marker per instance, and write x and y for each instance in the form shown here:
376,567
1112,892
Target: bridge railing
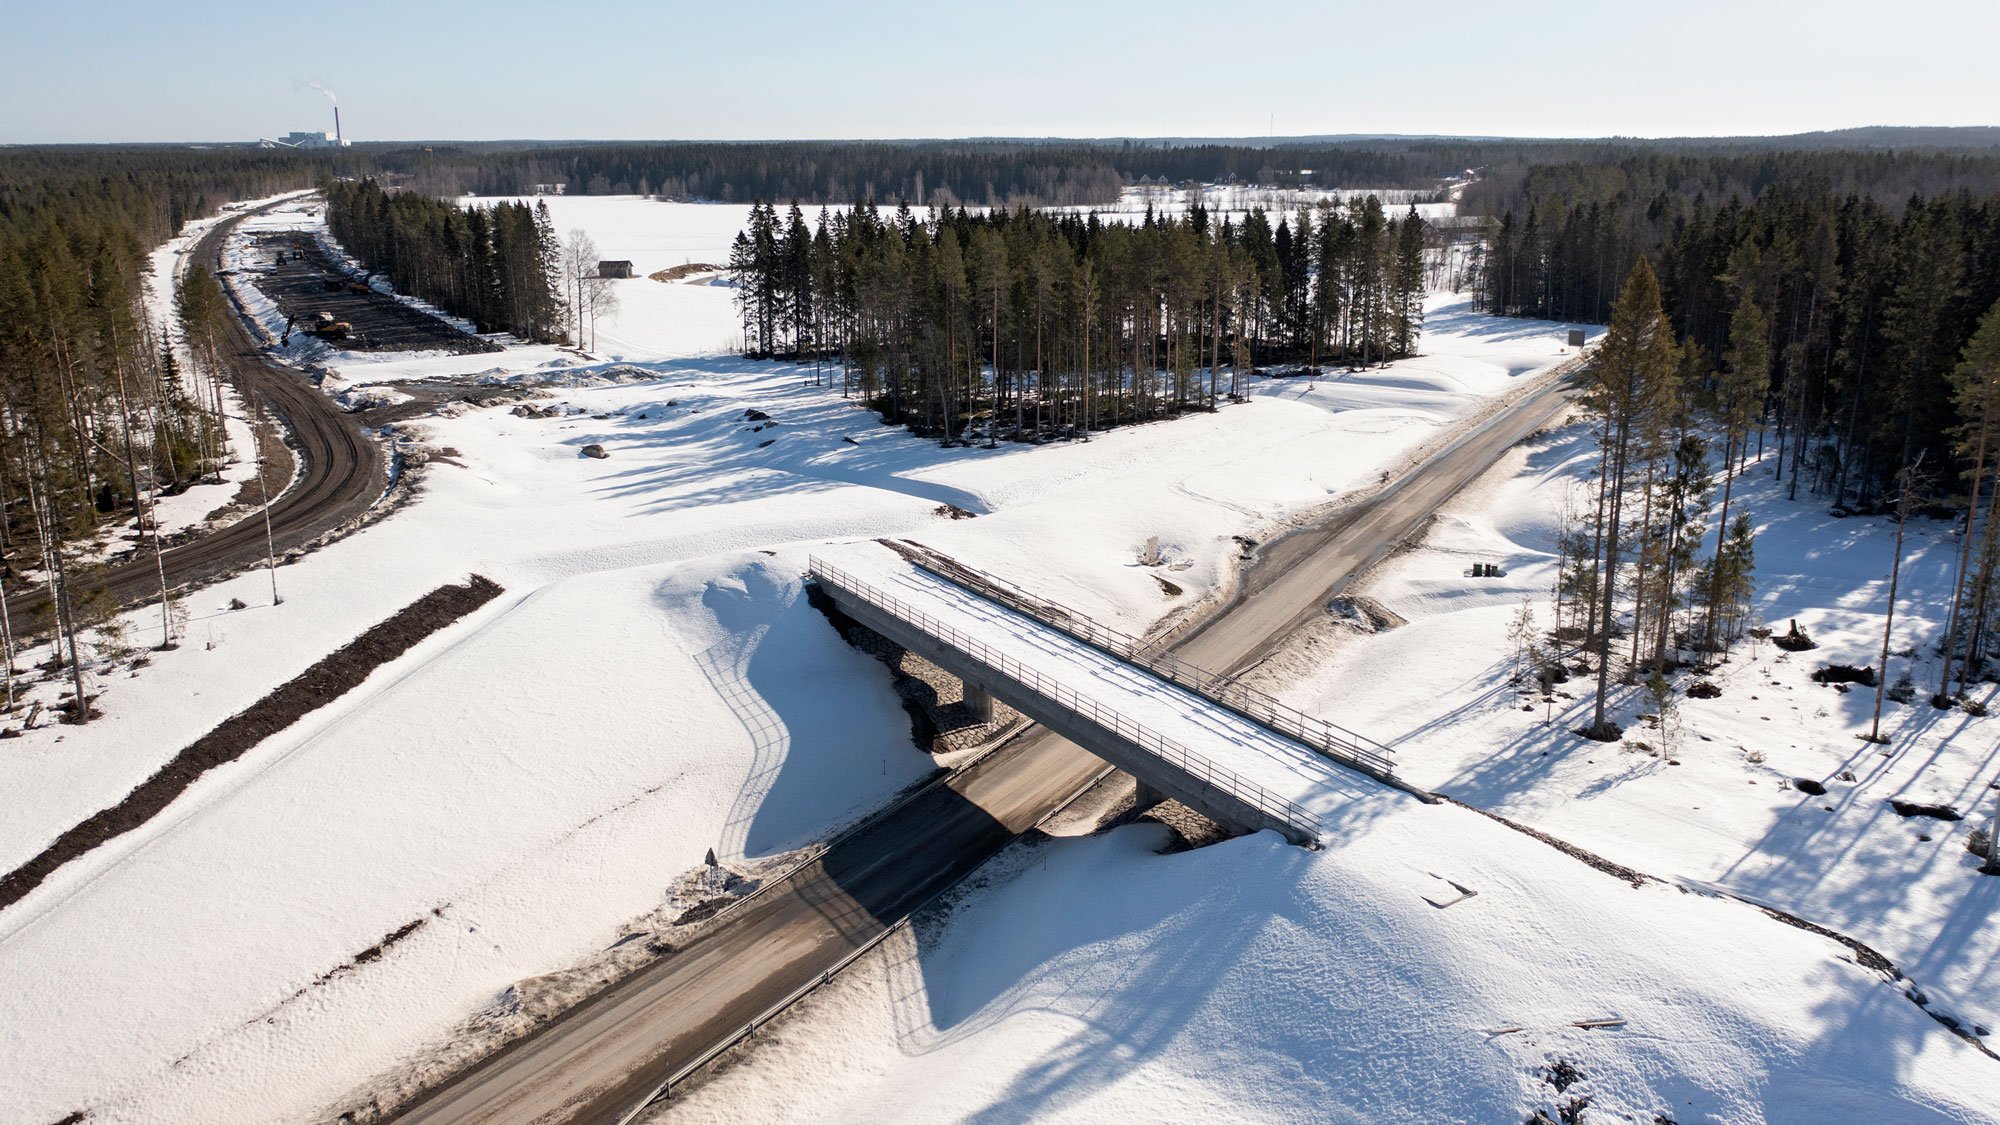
1328,739
1274,805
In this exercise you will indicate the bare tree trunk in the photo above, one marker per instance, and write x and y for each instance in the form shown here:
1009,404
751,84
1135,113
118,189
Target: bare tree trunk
65,611
1708,633
1600,727
1975,641
1639,579
1889,618
1943,696
1596,592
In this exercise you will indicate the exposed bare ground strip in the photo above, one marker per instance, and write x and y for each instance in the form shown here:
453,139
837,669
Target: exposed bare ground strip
327,680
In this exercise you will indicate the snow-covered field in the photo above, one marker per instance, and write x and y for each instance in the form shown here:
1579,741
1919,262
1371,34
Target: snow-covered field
1091,979
660,319
531,781
1237,200
652,685
1719,809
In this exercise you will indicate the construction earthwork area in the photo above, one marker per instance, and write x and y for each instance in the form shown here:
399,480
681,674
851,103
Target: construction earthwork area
309,282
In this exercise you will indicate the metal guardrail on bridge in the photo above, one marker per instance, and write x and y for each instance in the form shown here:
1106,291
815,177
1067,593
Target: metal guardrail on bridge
1328,739
1280,808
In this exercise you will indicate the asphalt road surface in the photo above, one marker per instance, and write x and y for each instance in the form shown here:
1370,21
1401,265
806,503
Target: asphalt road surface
342,473
1296,574
598,1061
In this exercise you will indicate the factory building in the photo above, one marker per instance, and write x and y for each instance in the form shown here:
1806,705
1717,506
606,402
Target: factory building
307,140
310,139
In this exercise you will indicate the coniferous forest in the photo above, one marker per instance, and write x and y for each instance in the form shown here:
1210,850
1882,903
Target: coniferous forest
1026,323
493,265
96,409
1869,273
1837,313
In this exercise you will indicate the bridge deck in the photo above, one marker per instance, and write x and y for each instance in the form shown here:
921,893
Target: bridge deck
1285,769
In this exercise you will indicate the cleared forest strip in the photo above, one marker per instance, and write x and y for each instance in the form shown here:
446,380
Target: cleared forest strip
691,269
327,680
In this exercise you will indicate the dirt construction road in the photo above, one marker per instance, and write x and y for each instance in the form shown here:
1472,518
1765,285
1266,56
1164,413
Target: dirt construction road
342,472
606,1056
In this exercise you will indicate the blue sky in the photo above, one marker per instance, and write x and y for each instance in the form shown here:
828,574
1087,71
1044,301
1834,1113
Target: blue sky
123,70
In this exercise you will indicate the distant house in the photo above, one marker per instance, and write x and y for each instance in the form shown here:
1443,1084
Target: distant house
619,268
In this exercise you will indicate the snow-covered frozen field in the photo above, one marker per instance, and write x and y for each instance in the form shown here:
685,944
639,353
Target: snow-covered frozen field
1237,200
530,785
1720,808
652,685
1090,979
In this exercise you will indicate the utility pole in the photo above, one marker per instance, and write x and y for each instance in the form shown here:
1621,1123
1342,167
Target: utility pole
263,489
270,542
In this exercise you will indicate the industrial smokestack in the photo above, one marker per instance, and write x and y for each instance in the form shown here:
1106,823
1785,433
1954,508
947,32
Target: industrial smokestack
338,140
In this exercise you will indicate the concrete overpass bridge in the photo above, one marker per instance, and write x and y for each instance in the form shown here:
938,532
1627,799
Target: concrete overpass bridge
1183,733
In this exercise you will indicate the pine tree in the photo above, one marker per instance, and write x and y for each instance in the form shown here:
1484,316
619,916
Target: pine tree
1631,387
1907,483
1739,401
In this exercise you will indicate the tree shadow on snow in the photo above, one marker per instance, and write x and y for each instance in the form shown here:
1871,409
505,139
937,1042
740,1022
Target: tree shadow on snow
1861,1062
1792,861
713,453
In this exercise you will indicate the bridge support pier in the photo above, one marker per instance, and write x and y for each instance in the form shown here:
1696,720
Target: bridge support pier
978,702
1147,796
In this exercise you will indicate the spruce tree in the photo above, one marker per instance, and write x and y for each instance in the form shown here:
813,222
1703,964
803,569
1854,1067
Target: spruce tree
1975,387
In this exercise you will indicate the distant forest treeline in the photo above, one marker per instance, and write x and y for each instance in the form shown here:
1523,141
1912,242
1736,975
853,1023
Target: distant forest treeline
144,192
943,173
948,173
1037,173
